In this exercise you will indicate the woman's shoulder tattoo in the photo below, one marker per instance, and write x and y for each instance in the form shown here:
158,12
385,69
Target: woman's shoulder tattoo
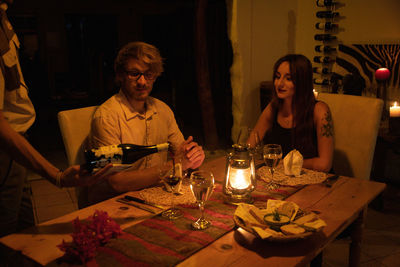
327,126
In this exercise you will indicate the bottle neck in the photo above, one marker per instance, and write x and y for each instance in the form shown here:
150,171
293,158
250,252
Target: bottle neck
162,147
159,147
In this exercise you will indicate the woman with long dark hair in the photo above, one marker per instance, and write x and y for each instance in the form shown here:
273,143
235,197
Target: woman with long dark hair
294,118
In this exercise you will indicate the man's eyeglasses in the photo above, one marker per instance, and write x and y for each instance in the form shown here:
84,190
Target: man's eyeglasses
135,75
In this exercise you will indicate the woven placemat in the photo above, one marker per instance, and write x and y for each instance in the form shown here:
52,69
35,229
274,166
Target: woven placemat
160,196
306,177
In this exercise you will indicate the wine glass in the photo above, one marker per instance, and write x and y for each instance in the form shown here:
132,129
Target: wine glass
202,185
272,155
173,180
255,144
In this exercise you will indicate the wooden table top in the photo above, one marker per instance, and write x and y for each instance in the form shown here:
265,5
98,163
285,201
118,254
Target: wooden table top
338,206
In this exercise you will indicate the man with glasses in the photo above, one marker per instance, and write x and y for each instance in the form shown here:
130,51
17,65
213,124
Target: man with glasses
132,116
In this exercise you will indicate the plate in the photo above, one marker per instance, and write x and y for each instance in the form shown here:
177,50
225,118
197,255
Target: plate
277,238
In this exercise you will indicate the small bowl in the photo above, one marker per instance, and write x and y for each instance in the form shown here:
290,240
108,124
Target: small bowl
270,219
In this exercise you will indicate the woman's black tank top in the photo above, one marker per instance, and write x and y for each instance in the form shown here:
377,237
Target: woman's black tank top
283,136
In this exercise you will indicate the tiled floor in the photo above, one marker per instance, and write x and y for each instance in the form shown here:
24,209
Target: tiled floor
381,244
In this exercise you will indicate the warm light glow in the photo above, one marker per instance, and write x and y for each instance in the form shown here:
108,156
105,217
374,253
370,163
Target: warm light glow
239,178
315,93
395,110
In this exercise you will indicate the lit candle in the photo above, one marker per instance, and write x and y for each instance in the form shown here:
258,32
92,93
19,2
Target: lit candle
382,74
395,110
315,93
240,178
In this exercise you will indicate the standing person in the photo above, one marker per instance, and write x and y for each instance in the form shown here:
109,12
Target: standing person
17,114
132,116
294,118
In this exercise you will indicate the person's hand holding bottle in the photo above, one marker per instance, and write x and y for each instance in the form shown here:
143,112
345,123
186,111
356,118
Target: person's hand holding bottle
78,176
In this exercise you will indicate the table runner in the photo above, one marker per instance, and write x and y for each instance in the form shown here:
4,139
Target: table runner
158,241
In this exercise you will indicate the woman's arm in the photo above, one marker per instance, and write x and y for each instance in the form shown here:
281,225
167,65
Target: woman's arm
324,127
263,124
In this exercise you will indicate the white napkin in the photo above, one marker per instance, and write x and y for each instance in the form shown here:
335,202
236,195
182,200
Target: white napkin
293,163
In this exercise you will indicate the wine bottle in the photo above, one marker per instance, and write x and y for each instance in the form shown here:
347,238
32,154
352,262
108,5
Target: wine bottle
327,14
319,59
321,70
324,37
322,3
119,154
326,26
324,48
320,81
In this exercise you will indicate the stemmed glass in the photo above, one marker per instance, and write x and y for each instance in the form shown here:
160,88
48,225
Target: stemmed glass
173,179
272,155
248,138
256,148
202,185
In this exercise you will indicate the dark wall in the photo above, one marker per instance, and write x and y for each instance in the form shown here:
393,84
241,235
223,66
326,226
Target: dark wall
68,49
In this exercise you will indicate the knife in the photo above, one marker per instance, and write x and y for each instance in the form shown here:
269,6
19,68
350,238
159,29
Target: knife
136,205
131,198
330,180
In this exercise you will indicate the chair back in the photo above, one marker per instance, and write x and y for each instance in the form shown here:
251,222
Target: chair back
356,121
75,127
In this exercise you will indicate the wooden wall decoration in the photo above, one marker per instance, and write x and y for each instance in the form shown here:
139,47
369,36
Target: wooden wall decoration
362,60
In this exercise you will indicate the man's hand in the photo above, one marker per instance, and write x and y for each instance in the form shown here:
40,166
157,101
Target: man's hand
79,176
192,154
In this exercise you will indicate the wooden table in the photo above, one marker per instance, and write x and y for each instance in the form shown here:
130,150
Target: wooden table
342,205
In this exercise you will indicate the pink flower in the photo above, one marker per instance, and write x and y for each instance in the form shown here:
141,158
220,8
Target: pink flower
87,237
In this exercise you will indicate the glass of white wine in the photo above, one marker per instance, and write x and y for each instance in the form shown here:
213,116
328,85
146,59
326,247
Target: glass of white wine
202,186
272,154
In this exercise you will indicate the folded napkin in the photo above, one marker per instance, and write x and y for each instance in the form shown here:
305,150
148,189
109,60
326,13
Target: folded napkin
293,163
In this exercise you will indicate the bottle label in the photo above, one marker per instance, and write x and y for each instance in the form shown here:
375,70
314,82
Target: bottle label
108,151
162,147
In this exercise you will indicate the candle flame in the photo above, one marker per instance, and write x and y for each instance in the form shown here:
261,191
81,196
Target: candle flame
394,110
240,178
